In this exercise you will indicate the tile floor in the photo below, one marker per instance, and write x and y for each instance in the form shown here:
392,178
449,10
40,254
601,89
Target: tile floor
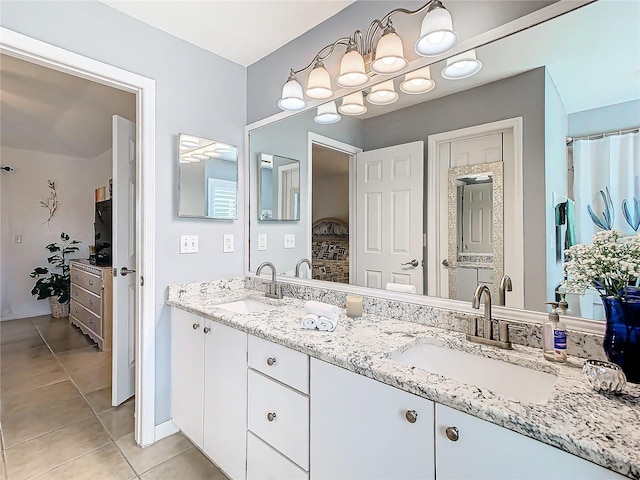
56,417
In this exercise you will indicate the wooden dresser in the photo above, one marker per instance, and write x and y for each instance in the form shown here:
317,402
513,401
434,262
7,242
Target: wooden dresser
91,301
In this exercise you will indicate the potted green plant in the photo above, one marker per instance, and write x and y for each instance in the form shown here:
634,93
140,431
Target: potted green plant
54,283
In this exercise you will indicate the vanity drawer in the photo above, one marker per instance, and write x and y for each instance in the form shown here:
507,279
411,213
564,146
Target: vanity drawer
266,463
86,280
282,363
279,416
87,299
86,317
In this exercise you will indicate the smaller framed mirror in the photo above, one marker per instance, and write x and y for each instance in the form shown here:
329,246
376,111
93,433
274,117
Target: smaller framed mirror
278,188
208,178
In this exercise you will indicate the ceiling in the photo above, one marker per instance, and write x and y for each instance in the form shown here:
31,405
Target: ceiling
241,31
49,111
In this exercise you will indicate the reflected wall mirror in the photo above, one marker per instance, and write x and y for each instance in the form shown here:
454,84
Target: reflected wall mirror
208,178
536,88
278,188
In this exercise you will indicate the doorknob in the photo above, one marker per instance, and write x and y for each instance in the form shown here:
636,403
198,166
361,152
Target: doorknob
413,263
124,271
445,262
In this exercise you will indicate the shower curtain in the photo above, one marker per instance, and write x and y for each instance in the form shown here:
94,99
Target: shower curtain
607,185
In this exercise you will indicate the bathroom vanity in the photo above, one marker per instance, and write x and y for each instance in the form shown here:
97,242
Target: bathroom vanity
355,403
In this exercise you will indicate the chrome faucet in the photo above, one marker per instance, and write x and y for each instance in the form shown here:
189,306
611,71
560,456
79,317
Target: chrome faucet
299,264
505,286
273,289
487,330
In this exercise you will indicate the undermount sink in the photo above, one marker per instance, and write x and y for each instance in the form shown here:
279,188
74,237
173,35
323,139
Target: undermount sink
505,379
245,306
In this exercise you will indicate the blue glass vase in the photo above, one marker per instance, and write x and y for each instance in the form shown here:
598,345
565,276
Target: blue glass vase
622,334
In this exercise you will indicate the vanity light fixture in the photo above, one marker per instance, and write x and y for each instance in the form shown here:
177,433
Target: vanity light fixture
183,160
353,104
418,81
383,93
462,66
188,141
377,51
222,147
212,154
200,156
191,159
327,113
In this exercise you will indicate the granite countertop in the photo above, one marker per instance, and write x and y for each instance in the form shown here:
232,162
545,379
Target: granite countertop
602,429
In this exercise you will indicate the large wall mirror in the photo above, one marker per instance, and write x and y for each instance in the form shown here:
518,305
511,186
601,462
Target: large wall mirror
208,178
570,76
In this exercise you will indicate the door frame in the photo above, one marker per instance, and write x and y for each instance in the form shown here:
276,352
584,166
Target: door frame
513,203
35,51
352,151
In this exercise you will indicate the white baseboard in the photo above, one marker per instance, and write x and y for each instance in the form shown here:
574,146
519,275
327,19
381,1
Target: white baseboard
165,430
16,316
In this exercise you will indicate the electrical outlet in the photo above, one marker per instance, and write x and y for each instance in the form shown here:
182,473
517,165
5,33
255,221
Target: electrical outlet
227,243
188,243
289,241
262,241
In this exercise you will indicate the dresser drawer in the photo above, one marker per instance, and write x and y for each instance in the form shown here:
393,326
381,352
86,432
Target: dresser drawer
86,280
282,363
266,463
86,317
87,299
280,417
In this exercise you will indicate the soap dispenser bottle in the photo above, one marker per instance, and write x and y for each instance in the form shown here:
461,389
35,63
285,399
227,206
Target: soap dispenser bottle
554,337
563,306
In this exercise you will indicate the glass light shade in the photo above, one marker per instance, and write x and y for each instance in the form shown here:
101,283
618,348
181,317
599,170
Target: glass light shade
382,94
183,161
191,159
462,66
319,83
327,114
352,73
222,147
353,104
389,55
292,99
200,156
418,81
436,34
212,154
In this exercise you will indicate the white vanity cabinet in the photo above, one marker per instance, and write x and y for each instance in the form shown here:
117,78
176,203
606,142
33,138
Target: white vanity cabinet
364,429
209,388
472,448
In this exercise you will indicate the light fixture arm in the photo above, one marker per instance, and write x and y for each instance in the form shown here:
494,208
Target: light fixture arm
320,56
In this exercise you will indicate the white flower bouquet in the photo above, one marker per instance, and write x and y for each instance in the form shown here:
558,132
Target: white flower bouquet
610,265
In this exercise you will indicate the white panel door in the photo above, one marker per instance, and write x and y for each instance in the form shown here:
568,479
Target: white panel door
388,196
124,255
472,151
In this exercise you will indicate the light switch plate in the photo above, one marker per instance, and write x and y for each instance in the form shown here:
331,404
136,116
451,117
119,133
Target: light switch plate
188,243
227,243
289,241
262,241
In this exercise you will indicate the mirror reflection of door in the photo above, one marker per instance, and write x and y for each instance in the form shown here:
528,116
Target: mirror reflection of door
476,213
289,192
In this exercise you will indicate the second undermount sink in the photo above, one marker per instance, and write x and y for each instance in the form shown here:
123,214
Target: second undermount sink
245,306
508,380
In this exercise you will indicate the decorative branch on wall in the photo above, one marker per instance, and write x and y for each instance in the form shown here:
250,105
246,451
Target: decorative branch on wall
51,203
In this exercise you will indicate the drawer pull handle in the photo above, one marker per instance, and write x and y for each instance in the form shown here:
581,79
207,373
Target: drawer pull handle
411,416
75,276
75,310
91,283
75,294
452,434
271,361
206,329
271,416
91,321
196,326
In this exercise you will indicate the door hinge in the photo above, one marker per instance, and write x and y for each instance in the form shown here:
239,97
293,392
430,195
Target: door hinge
141,281
115,272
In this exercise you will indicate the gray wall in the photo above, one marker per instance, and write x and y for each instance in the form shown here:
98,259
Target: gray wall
288,138
184,103
604,119
266,77
484,104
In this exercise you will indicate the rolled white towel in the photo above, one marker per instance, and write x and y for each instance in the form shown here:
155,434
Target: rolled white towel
326,324
322,309
400,287
310,321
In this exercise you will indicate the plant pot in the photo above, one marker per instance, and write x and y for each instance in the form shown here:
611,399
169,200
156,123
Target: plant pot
622,334
58,310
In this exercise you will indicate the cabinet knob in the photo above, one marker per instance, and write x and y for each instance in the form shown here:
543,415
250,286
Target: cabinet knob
452,433
196,326
91,283
271,416
271,362
206,329
411,416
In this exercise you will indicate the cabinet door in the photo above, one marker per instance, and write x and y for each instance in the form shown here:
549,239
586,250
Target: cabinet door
485,450
187,373
225,398
360,428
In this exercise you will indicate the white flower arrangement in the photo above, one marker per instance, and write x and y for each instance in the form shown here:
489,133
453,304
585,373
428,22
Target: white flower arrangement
610,265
